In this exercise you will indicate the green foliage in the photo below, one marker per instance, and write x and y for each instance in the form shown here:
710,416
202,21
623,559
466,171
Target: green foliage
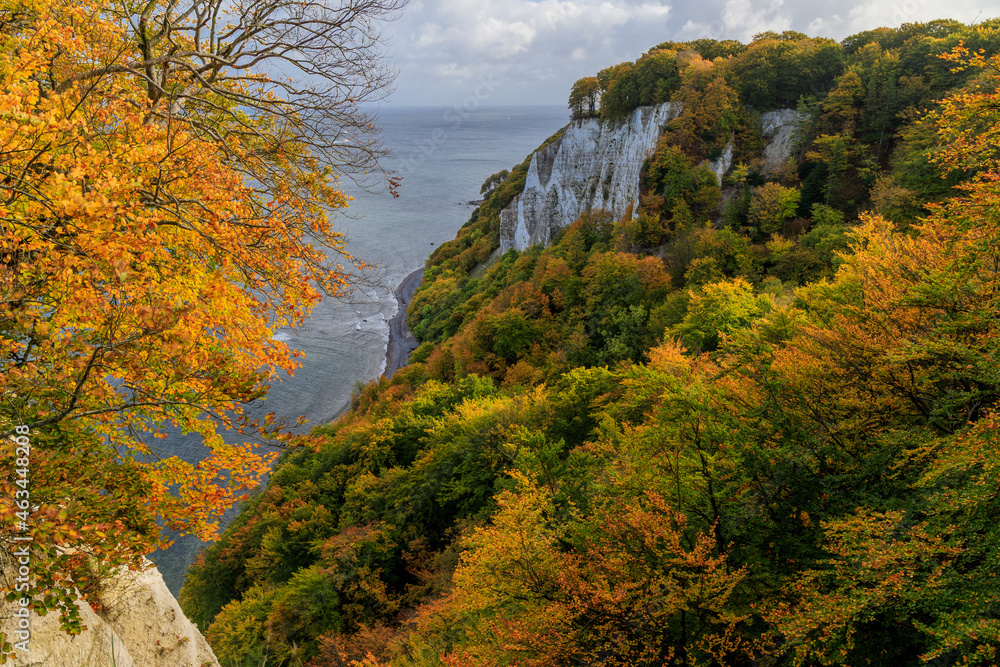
685,194
240,638
656,76
826,216
718,310
620,94
709,49
775,70
583,98
493,181
771,206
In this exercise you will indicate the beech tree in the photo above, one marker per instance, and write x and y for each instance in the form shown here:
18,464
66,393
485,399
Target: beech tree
583,97
638,590
164,189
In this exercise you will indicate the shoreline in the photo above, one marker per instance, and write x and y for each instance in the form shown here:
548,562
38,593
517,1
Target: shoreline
401,340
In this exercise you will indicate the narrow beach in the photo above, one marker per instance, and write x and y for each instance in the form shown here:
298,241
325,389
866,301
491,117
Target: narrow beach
401,339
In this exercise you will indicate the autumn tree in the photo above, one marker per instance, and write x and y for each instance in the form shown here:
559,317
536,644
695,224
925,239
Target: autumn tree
619,91
719,309
901,370
223,69
657,76
163,209
637,588
775,70
709,109
771,206
583,97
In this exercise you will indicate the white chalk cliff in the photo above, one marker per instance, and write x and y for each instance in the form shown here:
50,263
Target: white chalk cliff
140,625
779,129
593,165
597,165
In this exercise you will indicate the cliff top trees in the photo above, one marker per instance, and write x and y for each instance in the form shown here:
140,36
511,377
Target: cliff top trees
583,98
163,195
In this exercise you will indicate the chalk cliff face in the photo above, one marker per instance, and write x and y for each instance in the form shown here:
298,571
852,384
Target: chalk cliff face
140,625
779,130
593,165
597,165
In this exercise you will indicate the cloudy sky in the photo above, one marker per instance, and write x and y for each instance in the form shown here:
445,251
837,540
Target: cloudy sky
499,52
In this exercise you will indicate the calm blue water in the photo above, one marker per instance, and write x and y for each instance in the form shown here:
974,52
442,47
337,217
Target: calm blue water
444,155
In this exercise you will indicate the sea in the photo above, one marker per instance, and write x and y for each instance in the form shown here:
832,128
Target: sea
443,156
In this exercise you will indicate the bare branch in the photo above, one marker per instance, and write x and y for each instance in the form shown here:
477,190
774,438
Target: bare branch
304,67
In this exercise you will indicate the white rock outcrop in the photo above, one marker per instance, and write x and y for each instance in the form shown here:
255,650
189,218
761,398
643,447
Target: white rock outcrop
141,625
723,164
779,129
593,165
597,165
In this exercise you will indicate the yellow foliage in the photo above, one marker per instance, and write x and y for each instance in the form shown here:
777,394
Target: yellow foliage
147,255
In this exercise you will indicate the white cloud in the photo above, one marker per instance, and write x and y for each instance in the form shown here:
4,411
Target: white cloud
430,35
502,40
452,70
746,18
536,50
653,11
438,44
821,27
893,13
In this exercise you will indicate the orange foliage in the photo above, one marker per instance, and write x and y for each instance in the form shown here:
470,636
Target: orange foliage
640,589
146,259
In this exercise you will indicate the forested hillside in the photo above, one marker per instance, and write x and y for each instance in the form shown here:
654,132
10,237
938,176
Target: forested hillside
754,424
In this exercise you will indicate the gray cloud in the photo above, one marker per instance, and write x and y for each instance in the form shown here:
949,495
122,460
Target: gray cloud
531,52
